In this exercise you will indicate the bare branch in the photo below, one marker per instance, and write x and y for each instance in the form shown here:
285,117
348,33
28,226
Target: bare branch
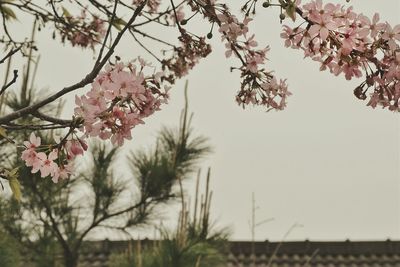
4,87
45,117
108,32
10,54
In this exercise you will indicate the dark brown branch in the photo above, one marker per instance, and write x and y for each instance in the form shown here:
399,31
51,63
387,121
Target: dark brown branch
152,37
4,87
108,32
97,222
10,54
176,17
45,117
54,224
16,127
144,47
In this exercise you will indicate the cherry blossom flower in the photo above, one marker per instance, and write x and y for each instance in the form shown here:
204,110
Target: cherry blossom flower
180,15
391,35
322,27
119,100
152,5
253,61
82,31
33,143
348,43
63,172
29,155
48,167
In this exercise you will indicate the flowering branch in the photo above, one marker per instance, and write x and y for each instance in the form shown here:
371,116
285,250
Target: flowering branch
123,93
85,81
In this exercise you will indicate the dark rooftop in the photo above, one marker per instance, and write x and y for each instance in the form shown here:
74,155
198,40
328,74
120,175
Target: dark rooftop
276,254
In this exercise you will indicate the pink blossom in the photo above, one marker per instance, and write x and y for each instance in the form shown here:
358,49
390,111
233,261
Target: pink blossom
373,26
351,70
253,61
391,35
34,142
152,5
62,172
349,41
30,157
74,148
322,27
48,167
118,101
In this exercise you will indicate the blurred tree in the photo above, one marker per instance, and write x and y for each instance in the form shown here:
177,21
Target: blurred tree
193,244
9,255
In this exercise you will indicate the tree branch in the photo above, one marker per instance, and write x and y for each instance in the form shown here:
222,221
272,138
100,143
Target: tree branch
95,223
85,81
45,117
12,52
108,32
4,87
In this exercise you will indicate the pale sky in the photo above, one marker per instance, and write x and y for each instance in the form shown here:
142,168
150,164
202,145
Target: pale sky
328,161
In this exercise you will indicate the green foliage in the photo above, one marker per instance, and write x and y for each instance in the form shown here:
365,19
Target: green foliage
15,186
104,185
193,244
7,12
176,156
9,255
170,252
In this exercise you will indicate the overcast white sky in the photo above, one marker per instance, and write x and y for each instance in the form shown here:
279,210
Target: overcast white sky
327,161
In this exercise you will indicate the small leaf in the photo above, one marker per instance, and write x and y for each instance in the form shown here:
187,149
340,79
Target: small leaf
291,10
66,12
118,23
8,13
3,132
14,172
15,188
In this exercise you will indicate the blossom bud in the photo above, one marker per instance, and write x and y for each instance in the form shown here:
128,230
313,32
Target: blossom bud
83,144
370,81
359,93
266,4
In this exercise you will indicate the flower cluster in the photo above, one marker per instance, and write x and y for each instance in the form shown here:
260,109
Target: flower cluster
348,43
82,31
176,16
120,98
152,5
258,86
56,163
186,56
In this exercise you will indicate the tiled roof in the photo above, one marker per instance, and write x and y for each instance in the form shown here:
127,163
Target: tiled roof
274,254
318,254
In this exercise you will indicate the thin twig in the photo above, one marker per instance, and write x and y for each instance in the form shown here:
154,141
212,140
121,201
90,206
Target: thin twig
108,32
4,87
45,117
145,48
9,54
